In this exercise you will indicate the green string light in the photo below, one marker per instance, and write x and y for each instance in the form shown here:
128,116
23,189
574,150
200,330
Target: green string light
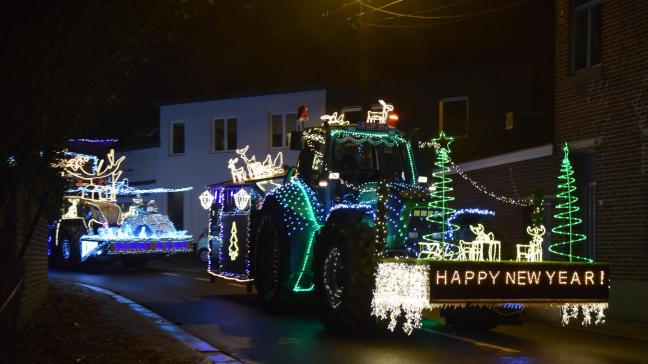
441,195
567,219
307,262
389,139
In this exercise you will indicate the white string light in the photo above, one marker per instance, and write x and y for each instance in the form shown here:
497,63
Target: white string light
476,185
401,289
589,311
255,170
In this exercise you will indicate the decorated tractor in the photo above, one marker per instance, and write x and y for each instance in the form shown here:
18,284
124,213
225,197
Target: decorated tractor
93,226
355,223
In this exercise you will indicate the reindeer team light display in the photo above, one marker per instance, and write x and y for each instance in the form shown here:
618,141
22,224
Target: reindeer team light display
334,119
100,183
255,170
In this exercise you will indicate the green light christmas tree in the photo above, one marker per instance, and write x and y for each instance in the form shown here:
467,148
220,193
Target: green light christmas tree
441,196
567,219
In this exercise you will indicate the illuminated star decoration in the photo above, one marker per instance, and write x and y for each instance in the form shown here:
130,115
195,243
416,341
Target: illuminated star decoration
443,142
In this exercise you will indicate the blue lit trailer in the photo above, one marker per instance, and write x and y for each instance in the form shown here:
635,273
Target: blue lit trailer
232,222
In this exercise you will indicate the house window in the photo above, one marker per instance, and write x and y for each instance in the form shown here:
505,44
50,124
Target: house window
508,121
224,135
586,34
177,138
175,209
453,116
352,114
280,127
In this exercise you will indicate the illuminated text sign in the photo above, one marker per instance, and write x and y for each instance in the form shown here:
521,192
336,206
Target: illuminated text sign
518,282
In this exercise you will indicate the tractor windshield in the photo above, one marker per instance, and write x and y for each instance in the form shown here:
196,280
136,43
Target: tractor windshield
366,162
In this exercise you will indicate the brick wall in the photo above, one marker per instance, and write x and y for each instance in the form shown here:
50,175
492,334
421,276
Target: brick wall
610,102
34,263
516,180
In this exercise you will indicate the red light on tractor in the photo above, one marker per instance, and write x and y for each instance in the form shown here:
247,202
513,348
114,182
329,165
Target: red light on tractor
393,119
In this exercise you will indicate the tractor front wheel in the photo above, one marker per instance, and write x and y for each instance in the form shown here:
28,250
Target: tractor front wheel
344,277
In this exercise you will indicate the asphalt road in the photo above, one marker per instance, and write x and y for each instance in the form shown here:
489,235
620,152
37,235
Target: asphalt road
224,315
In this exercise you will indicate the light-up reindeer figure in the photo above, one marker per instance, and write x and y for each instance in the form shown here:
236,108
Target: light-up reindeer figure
265,169
380,117
532,252
103,171
473,250
71,212
335,119
238,173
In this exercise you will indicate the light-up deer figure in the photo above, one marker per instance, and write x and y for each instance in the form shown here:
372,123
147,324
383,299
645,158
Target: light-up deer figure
266,169
532,252
380,117
92,188
474,250
238,173
335,119
71,212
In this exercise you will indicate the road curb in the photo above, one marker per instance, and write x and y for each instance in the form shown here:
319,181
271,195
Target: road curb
212,353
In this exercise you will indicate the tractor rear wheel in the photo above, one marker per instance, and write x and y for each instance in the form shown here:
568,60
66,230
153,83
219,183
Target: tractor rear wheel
271,270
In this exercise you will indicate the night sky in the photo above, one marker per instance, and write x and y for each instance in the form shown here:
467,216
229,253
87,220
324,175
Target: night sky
90,69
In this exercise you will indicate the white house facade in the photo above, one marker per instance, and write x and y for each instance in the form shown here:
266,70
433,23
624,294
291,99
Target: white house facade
197,139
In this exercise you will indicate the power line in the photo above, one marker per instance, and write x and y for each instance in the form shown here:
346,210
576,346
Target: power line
449,18
430,10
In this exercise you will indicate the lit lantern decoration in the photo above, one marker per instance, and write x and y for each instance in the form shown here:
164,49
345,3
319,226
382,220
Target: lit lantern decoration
242,200
206,200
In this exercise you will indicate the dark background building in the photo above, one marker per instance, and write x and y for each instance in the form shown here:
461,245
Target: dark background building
602,107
